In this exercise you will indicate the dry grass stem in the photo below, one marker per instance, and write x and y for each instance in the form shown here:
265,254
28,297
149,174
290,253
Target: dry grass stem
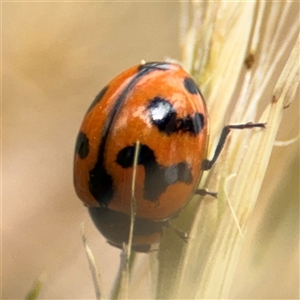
93,267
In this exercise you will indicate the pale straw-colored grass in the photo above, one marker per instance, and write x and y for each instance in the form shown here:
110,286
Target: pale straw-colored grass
246,59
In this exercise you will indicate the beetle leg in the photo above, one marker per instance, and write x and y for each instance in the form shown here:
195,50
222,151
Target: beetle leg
207,164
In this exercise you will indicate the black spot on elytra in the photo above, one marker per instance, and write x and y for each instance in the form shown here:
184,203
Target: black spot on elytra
98,98
82,145
157,177
126,155
178,172
164,117
191,86
191,124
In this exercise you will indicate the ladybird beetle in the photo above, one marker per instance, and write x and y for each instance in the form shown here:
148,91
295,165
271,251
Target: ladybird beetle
159,105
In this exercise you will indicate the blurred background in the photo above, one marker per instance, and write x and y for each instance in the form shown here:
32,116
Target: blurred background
56,58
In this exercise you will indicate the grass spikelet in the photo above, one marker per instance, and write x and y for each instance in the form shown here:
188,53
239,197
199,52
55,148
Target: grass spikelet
247,68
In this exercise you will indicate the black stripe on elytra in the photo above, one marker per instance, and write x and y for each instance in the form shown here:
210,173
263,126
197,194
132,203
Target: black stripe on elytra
154,65
98,98
164,116
157,177
100,182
